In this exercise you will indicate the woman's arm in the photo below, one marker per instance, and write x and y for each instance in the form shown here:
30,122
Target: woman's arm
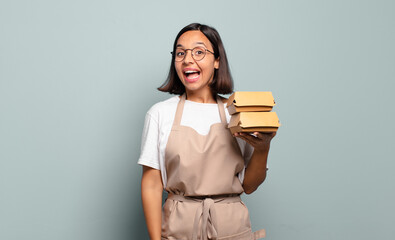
151,195
255,172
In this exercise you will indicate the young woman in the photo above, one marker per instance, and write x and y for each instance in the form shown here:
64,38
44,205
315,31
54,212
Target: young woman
188,150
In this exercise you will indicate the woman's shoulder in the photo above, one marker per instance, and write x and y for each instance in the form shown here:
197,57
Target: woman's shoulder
164,107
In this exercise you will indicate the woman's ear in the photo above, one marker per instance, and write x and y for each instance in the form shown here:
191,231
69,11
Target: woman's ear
216,63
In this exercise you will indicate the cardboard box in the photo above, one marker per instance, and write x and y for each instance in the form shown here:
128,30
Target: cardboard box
250,102
254,122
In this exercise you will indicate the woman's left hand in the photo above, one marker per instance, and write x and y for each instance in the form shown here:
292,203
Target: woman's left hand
259,140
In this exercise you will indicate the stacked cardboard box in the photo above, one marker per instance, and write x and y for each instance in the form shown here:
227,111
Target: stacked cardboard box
251,112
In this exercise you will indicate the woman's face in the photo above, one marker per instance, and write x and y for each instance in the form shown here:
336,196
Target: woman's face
195,75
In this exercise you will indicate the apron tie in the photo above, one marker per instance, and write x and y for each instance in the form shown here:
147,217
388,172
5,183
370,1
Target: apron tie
205,214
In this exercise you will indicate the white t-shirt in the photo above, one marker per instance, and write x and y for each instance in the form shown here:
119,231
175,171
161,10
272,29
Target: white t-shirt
159,121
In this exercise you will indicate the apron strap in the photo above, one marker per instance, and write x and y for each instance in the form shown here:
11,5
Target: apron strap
221,109
260,234
180,109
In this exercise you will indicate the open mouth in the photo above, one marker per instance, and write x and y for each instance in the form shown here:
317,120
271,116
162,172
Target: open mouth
192,75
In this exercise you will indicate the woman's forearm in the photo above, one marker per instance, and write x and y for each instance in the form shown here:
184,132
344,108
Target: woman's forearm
151,195
255,172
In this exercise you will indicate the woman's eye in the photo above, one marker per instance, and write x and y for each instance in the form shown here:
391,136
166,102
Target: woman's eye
180,54
199,52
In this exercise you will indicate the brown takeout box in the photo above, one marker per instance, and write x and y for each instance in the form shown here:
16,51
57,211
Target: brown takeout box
250,102
254,122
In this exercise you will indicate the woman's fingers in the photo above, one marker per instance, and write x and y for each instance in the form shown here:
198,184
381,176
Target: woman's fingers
252,140
263,135
257,139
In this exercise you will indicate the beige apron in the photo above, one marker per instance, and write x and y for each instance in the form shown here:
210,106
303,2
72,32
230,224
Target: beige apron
203,186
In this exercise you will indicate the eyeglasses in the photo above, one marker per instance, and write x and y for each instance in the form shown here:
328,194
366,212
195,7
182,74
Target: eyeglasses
198,53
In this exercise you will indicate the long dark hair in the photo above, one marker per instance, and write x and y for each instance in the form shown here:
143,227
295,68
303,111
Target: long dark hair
222,81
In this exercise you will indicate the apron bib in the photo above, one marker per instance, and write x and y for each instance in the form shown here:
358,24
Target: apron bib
203,186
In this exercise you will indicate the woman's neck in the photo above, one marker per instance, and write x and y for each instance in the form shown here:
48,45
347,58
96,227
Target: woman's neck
200,97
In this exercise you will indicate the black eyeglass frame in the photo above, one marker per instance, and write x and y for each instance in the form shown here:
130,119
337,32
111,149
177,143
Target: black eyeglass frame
185,50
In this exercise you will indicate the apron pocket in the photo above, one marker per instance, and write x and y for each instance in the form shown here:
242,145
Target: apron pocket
167,210
177,219
233,220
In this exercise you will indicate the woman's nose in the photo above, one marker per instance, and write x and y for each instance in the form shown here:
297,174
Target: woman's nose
188,57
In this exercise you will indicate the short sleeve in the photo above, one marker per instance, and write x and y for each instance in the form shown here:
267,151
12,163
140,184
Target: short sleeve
149,155
248,151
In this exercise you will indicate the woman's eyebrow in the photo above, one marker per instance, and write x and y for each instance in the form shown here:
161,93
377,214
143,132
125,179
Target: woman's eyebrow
180,45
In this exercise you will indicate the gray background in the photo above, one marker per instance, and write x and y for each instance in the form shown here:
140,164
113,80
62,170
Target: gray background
76,78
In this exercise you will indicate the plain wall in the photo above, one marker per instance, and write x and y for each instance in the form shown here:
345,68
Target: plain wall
77,77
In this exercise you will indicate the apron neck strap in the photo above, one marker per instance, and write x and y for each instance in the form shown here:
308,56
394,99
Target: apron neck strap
180,108
221,109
